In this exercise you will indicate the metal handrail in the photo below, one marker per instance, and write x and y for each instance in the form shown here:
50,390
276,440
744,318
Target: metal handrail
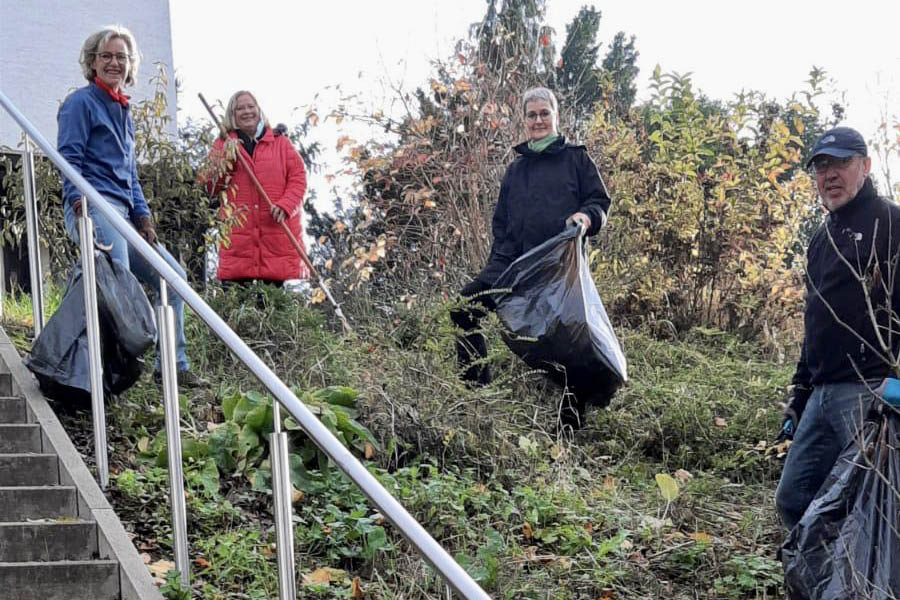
392,510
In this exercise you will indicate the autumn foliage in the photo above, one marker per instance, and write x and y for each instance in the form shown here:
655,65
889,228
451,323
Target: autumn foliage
708,198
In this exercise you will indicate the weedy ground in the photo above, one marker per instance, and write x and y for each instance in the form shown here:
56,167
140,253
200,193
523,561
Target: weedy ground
667,493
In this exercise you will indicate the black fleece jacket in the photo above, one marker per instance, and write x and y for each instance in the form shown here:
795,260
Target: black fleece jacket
538,193
866,232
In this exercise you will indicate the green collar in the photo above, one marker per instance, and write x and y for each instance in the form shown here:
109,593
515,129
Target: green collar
542,144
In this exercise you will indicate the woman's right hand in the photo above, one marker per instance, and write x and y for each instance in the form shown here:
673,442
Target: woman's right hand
278,214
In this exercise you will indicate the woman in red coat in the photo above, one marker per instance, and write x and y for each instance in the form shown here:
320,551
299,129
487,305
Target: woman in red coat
257,248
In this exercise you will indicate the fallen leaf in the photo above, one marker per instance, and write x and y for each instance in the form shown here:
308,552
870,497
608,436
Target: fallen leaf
720,422
527,531
296,495
356,589
370,451
202,562
317,577
700,536
161,567
667,485
557,451
324,575
681,475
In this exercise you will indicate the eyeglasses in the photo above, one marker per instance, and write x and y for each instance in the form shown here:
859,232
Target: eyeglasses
108,56
822,163
544,115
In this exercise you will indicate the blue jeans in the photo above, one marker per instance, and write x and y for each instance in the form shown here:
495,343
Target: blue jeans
128,256
831,420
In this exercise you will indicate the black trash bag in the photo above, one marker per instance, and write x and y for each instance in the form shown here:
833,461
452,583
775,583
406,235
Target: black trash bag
123,303
555,319
847,544
59,356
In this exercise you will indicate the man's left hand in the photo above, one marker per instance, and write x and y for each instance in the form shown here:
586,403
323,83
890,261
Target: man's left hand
579,218
889,391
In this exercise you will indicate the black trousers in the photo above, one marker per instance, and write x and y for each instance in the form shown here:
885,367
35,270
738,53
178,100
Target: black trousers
471,346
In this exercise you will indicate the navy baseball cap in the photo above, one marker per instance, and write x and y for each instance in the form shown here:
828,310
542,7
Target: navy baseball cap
840,142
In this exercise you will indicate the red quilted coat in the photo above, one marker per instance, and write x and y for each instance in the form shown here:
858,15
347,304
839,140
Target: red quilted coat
258,247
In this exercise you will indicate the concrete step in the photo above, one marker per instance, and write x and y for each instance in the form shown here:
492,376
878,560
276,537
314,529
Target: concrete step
20,438
60,580
6,384
48,541
29,469
12,410
22,503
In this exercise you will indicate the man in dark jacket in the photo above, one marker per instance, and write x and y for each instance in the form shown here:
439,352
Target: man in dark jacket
550,183
850,324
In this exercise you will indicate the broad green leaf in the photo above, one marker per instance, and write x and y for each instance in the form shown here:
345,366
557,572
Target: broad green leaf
228,405
247,441
260,418
337,394
194,449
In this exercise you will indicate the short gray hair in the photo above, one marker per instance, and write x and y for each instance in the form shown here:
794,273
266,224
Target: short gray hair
228,121
92,46
539,93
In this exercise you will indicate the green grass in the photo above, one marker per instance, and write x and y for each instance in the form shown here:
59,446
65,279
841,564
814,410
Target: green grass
529,513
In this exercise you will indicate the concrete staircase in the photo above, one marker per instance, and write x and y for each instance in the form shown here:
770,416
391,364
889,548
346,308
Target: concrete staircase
59,538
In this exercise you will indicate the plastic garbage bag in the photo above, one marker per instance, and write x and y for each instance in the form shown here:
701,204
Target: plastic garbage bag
847,545
59,357
555,319
122,300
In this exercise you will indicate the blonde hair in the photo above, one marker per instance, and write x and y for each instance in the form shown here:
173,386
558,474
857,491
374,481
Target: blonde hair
96,40
228,121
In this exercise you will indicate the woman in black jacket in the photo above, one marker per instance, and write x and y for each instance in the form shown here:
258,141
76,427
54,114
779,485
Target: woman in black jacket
550,184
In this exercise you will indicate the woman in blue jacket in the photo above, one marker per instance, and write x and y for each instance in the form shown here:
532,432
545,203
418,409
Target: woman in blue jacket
550,183
96,137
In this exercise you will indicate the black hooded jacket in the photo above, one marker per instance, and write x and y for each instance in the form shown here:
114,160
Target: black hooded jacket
539,192
866,232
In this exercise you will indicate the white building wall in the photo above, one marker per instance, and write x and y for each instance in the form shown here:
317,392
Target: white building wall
39,45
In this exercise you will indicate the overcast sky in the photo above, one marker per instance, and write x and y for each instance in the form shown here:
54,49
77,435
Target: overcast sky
286,51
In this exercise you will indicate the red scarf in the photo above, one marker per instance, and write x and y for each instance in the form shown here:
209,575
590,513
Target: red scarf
115,95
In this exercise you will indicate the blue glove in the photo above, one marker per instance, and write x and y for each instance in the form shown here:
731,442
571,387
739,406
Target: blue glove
891,392
787,429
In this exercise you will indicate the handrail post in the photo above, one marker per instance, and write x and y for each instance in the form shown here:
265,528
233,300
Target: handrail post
165,319
281,496
32,225
92,320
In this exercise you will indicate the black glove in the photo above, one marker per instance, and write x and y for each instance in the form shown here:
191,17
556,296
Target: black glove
794,411
145,227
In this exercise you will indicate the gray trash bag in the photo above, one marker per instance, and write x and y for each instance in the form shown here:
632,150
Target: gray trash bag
555,320
847,544
59,356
